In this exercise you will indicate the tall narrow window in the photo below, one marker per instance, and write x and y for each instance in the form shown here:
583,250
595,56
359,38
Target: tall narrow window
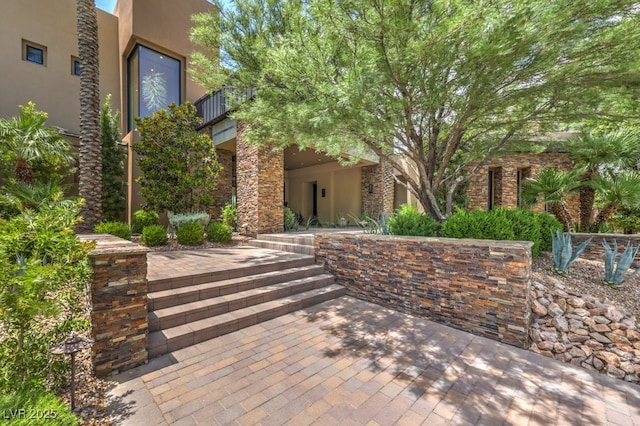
523,174
75,65
154,82
490,189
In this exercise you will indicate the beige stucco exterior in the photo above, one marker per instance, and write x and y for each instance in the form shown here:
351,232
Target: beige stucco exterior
52,86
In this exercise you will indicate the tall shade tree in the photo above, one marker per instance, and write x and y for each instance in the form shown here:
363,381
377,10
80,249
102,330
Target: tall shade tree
425,81
616,189
90,164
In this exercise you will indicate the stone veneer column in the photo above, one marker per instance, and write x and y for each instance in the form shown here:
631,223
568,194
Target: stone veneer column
260,187
119,304
382,197
223,193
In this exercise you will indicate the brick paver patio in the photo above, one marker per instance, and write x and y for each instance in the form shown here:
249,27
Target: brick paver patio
351,362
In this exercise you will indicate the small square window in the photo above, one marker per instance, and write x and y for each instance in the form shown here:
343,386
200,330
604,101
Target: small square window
75,66
33,52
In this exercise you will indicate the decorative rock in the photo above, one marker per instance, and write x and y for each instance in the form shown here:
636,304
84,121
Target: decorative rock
538,309
562,303
600,328
586,349
632,378
593,344
534,333
613,314
599,338
543,301
608,357
578,353
628,367
581,312
574,337
597,311
597,364
561,324
545,345
615,338
600,319
559,348
587,366
550,336
555,310
633,335
578,361
576,302
548,354
615,372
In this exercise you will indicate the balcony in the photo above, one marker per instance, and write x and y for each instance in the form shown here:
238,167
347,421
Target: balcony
212,108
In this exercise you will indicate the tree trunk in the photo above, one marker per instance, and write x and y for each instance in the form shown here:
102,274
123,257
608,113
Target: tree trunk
604,215
587,198
23,172
561,212
90,164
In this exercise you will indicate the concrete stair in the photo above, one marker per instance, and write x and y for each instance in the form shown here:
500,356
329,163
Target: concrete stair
184,311
293,243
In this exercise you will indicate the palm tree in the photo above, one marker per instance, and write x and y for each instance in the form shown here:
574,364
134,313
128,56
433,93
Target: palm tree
593,153
553,186
616,189
90,166
28,143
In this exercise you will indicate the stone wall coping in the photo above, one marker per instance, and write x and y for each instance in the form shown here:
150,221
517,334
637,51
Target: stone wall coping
108,244
454,241
607,236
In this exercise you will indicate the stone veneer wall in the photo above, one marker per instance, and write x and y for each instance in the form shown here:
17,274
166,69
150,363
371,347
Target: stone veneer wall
260,188
482,287
223,191
506,188
595,251
119,304
382,197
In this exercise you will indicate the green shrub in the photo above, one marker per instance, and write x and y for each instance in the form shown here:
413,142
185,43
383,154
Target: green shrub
478,224
230,215
176,220
219,231
143,218
42,294
548,225
190,234
408,221
119,229
524,225
290,221
40,406
154,235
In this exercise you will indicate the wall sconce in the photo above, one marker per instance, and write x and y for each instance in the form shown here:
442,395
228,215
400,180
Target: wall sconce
370,188
323,192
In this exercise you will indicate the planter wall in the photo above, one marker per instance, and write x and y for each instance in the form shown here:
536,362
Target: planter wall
595,251
478,286
119,304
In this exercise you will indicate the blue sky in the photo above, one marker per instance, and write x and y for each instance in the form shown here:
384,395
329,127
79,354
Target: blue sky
106,5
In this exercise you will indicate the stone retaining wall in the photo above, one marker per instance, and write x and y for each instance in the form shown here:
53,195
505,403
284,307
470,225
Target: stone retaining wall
482,287
119,304
595,251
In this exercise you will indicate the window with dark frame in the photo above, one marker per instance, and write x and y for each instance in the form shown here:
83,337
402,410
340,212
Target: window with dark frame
75,66
35,54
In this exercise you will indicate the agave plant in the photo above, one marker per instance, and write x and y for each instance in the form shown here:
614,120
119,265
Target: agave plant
563,254
616,275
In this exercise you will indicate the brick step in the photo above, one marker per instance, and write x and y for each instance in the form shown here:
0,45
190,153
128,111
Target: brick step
189,312
301,239
177,296
191,280
171,339
282,246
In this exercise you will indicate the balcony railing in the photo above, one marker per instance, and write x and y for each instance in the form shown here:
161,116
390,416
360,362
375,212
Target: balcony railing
213,108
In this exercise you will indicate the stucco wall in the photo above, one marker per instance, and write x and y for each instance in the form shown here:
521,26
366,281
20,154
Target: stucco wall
52,86
478,286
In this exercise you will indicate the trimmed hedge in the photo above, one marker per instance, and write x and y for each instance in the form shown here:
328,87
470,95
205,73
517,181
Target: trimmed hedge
503,224
118,229
219,232
190,234
408,221
154,235
142,219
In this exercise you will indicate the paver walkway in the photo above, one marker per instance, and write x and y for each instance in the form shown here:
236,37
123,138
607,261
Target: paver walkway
351,362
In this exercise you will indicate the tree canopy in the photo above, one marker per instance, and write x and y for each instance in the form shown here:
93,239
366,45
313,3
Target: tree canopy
442,83
179,165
